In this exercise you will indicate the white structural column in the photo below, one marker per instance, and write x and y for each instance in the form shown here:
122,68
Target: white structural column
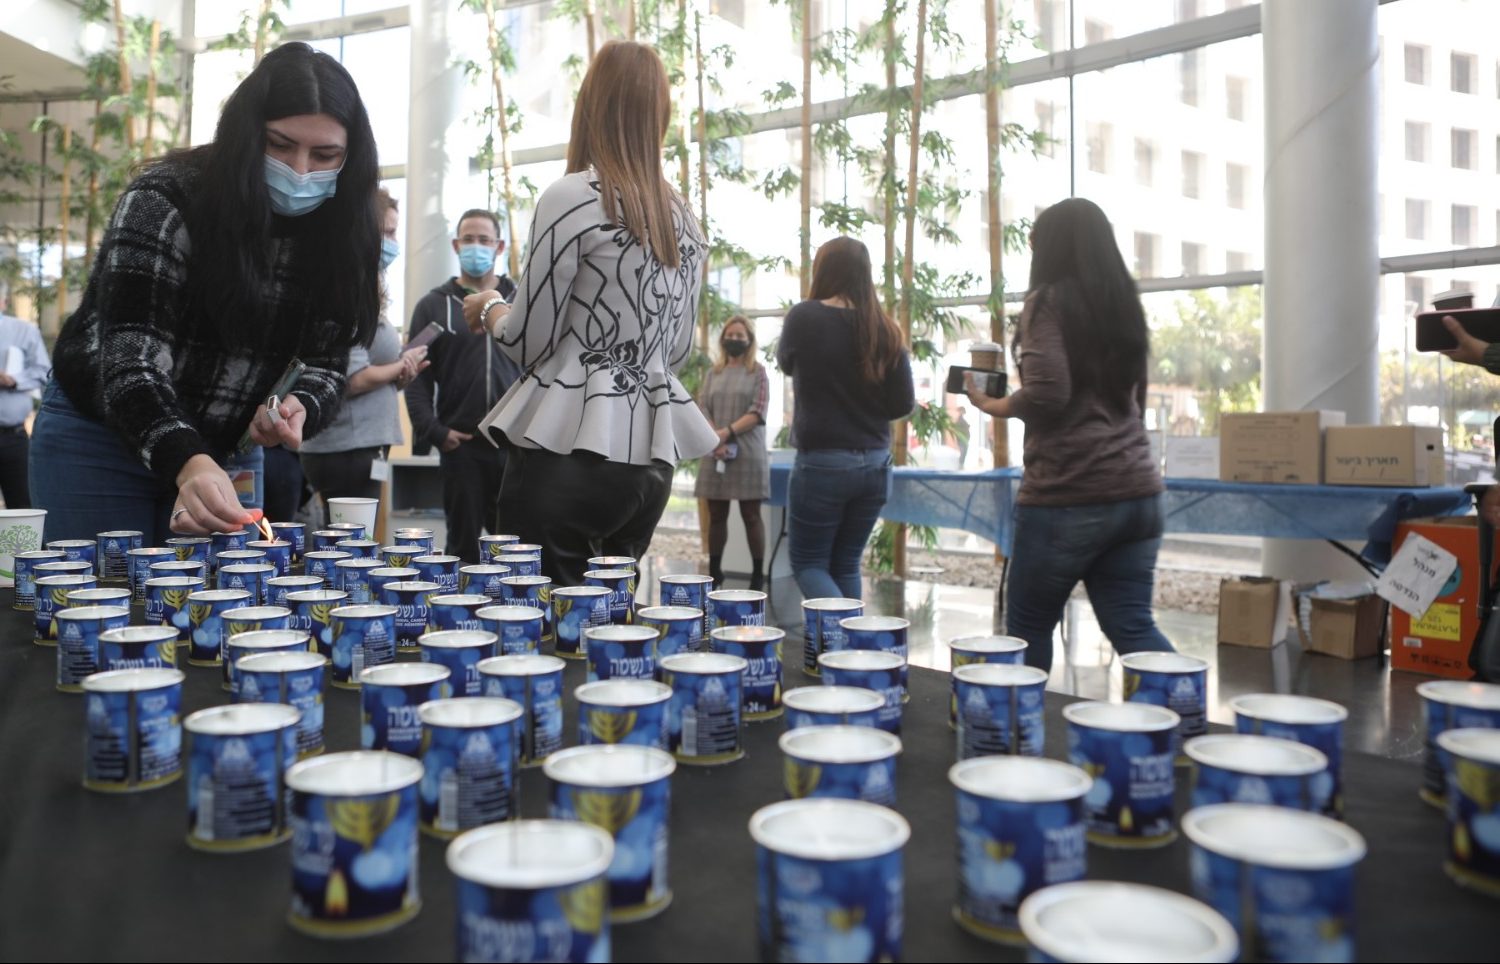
436,166
1322,263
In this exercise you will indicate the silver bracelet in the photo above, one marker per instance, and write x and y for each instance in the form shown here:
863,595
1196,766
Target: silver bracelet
488,305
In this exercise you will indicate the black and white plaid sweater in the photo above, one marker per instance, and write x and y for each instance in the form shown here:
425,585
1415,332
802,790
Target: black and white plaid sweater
136,358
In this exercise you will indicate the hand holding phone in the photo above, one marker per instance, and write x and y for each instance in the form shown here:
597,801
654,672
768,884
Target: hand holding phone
424,338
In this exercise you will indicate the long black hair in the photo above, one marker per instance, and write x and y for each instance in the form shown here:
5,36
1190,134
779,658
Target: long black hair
230,221
841,269
1077,271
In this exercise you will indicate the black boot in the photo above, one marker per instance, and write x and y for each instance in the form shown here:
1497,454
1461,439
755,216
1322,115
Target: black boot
757,574
716,569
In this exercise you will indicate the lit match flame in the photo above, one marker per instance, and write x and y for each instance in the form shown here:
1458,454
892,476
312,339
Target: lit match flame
265,529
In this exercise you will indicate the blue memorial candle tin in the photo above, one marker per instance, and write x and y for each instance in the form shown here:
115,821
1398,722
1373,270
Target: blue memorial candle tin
353,576
621,586
360,549
354,843
26,563
677,628
364,637
312,612
278,553
470,776
178,567
206,609
257,641
967,650
831,706
388,700
51,598
761,648
1128,749
535,682
623,710
1451,704
295,534
520,564
614,562
1242,768
871,670
1093,920
412,536
99,596
167,604
847,762
1314,722
736,607
1020,828
1000,709
460,651
294,677
279,587
531,591
449,611
1472,766
411,598
110,551
249,576
79,653
138,647
532,890
220,542
324,540
251,619
133,729
519,628
237,760
483,579
138,569
195,548
78,550
704,717
575,609
399,556
690,590
438,568
884,634
1283,878
830,880
1178,682
492,546
323,564
382,576
349,530
625,790
620,652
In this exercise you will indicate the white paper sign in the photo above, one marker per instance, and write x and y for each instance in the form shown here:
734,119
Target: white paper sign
1416,575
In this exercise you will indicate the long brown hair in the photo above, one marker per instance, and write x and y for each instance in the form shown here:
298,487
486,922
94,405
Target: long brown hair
619,124
751,363
841,269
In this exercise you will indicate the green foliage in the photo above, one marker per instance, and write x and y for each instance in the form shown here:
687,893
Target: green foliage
1212,346
879,555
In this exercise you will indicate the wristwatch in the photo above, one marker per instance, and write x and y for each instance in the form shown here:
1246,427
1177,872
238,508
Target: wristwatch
484,312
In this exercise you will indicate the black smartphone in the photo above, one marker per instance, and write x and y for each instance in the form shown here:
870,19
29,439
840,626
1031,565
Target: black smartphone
1482,323
991,383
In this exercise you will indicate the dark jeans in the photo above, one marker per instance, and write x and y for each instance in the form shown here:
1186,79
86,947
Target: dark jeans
342,475
14,450
581,505
89,481
471,495
834,498
1110,547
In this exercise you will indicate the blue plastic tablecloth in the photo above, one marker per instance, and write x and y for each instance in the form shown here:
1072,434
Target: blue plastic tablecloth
982,503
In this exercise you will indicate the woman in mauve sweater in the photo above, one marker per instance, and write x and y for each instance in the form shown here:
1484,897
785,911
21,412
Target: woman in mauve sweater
1089,508
851,377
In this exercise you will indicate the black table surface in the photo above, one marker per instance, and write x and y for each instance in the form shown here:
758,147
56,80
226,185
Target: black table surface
90,876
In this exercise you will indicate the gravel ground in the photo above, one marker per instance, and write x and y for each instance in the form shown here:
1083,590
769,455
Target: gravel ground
1178,589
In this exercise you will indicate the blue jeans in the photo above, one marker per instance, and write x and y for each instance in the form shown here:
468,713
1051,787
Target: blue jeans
90,481
833,500
1110,547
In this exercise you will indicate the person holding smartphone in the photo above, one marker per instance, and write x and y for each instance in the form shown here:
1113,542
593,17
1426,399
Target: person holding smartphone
1486,355
221,267
343,461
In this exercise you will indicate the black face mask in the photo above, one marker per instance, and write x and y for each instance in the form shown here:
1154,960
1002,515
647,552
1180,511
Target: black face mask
735,347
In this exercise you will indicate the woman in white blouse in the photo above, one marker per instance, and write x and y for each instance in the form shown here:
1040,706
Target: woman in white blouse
603,317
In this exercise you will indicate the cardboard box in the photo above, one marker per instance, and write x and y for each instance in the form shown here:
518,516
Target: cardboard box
1192,457
1409,455
1345,628
1274,446
1438,642
1253,611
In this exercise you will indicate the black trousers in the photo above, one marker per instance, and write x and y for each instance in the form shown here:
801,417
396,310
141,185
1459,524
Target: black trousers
471,495
283,484
342,475
580,505
15,450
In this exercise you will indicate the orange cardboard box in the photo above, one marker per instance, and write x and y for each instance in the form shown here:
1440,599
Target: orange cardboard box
1438,643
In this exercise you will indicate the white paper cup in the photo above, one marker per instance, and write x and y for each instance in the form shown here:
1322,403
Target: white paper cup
20,531
349,509
1101,920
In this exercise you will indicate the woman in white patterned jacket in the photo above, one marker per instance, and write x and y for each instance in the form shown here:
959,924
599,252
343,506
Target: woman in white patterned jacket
603,318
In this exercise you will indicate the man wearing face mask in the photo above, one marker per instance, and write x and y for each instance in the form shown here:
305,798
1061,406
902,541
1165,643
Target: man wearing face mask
467,375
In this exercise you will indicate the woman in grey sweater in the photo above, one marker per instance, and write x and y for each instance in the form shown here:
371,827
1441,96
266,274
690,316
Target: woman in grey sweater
1089,508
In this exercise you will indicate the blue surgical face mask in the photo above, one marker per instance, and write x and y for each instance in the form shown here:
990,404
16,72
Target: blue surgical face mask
476,259
388,251
292,193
